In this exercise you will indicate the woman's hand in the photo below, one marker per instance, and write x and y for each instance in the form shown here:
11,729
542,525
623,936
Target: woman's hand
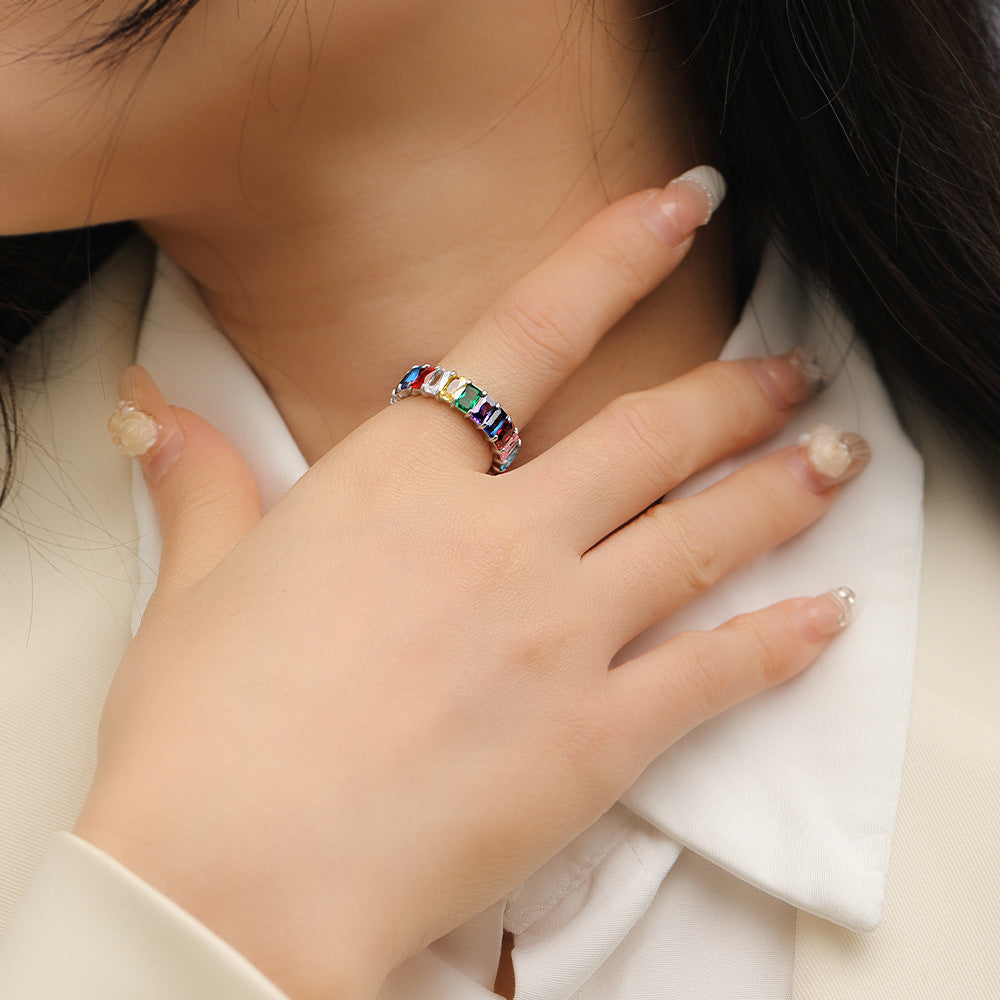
348,726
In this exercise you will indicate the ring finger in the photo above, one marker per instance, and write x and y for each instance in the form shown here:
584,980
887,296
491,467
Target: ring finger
642,445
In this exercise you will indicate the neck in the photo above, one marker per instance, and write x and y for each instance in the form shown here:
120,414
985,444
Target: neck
364,239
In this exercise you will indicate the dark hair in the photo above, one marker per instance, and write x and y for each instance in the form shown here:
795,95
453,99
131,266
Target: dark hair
866,133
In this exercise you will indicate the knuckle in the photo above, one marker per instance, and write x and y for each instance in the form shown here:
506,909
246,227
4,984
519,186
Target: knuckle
708,683
601,750
541,325
770,658
697,557
731,387
618,259
641,428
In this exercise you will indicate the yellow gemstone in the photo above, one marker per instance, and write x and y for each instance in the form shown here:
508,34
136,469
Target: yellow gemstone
455,385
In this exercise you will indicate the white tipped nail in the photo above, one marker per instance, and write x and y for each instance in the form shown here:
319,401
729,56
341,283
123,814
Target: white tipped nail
824,616
687,202
132,430
711,182
845,598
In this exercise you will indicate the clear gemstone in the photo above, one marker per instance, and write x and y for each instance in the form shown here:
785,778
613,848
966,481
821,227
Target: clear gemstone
435,381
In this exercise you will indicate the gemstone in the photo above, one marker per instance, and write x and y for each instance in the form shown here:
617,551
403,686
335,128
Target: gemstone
455,385
483,410
406,383
496,423
435,382
418,382
507,441
506,463
466,399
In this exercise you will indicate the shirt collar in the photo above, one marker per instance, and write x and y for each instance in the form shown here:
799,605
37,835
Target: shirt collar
794,792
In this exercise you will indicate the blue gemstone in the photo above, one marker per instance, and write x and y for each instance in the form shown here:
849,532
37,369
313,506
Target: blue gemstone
409,378
496,422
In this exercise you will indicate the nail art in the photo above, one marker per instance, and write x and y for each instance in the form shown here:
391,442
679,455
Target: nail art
788,379
828,456
675,212
846,598
806,361
829,452
711,182
826,615
133,431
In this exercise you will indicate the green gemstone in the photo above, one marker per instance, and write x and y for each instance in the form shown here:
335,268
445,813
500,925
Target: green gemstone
466,399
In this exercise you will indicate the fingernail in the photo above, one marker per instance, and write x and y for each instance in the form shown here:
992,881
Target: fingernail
143,425
827,456
789,379
133,431
686,203
826,615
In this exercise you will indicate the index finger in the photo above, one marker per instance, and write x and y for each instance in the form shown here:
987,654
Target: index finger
546,323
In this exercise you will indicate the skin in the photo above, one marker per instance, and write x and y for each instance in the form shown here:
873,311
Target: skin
383,183
377,189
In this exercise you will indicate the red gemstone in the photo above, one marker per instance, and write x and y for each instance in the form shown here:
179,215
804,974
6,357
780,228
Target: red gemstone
419,380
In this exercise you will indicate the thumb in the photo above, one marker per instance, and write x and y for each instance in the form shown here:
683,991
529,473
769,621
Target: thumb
205,496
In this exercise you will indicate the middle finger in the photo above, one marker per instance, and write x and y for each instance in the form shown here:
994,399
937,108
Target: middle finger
644,444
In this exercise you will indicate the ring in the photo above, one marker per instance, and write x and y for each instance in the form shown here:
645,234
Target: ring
471,401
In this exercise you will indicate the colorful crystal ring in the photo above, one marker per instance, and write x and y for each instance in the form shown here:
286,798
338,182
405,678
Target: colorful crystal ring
471,401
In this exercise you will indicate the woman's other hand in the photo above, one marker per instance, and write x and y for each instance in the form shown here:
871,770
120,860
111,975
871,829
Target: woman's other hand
348,726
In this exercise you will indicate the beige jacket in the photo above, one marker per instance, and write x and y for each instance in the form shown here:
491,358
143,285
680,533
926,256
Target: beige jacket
66,597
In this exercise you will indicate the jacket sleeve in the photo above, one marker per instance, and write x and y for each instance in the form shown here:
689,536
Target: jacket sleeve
86,928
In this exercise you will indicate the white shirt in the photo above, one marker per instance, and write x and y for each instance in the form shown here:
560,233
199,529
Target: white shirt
687,887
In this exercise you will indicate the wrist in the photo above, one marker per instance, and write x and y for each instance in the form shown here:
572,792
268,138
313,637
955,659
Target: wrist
311,949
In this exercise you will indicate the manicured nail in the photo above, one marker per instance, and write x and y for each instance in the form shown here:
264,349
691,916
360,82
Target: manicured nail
789,379
134,431
827,456
686,203
826,615
143,425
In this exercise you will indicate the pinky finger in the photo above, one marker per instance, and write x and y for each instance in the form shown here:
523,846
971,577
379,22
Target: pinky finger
658,697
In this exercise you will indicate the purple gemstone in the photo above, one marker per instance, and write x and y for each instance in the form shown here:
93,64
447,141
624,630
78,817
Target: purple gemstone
483,410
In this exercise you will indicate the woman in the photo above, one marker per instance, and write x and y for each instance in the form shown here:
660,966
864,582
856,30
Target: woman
346,193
